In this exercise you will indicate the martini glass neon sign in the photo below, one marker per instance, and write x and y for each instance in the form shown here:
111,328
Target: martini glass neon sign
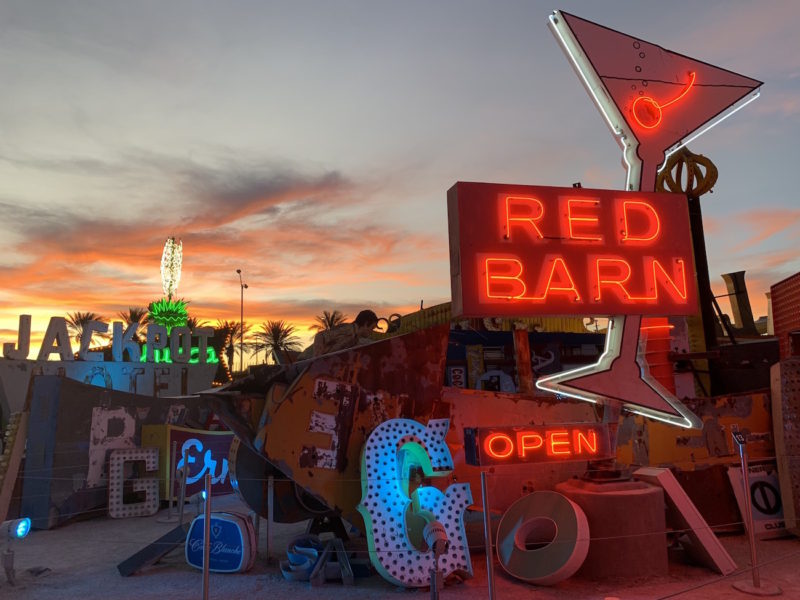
648,112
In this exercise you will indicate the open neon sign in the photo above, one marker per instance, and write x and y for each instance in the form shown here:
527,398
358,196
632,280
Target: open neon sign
555,443
530,250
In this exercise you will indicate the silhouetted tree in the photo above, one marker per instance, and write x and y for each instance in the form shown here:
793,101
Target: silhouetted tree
277,337
329,320
77,322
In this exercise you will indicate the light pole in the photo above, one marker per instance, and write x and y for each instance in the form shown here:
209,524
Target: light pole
243,287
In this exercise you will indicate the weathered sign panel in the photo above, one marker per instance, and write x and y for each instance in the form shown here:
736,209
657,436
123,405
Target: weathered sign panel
72,429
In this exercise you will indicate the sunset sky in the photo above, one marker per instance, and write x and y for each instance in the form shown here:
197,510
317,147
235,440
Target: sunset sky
311,144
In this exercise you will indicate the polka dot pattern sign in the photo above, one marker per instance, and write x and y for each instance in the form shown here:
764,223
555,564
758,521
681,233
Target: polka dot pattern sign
396,449
116,480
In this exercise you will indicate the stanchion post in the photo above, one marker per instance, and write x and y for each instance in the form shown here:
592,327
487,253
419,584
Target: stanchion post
173,469
756,589
207,536
182,493
172,476
270,513
487,535
257,527
739,438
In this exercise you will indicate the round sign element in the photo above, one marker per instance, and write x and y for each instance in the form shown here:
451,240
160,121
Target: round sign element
543,538
765,498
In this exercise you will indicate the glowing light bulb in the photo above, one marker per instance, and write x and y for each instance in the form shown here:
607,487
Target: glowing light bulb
171,260
17,528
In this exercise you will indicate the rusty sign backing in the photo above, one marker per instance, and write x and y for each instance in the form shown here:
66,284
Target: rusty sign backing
315,432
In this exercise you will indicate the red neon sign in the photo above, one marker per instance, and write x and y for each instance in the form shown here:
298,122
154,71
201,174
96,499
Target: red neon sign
514,445
647,111
525,251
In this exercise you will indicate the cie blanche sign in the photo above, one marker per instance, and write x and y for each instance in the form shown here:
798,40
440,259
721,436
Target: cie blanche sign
158,347
532,250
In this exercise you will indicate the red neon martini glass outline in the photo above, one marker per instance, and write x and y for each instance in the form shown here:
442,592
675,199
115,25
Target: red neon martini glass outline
651,102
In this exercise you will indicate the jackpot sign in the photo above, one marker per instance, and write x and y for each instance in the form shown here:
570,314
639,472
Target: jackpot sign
533,250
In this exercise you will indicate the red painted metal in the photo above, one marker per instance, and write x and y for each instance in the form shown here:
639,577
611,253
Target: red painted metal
785,296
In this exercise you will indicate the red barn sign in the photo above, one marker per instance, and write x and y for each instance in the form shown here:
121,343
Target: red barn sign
531,250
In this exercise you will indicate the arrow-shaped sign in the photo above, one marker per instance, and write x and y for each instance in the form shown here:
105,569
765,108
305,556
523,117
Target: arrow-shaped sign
622,375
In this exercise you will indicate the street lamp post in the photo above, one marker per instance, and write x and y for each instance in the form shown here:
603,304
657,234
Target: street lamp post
243,287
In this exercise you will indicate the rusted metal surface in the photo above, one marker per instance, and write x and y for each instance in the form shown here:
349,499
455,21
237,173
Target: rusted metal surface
522,350
650,443
473,408
786,411
314,433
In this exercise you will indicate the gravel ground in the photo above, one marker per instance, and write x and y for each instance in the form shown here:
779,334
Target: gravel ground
79,560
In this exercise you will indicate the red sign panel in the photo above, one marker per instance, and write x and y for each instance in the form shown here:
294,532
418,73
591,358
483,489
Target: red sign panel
785,297
520,251
555,443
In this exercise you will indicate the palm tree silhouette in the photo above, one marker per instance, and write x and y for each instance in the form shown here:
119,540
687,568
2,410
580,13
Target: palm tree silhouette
135,314
329,320
234,330
194,323
277,338
78,321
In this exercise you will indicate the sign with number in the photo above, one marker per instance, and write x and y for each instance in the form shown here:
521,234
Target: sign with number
765,497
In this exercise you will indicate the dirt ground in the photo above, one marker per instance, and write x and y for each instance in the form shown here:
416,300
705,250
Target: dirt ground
79,561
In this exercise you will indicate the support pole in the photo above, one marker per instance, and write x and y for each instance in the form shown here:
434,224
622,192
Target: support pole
270,513
207,536
182,492
756,588
522,352
487,535
171,477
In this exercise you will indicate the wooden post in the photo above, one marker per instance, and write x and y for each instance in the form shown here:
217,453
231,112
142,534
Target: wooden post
522,351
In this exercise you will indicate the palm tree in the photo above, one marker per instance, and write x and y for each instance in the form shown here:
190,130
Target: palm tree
227,349
329,320
235,339
277,337
135,314
78,321
195,323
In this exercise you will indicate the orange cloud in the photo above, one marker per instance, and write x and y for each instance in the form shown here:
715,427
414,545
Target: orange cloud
302,244
765,224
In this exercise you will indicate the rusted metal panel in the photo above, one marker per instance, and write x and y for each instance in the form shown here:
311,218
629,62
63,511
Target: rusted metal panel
786,412
474,408
440,314
651,443
314,433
